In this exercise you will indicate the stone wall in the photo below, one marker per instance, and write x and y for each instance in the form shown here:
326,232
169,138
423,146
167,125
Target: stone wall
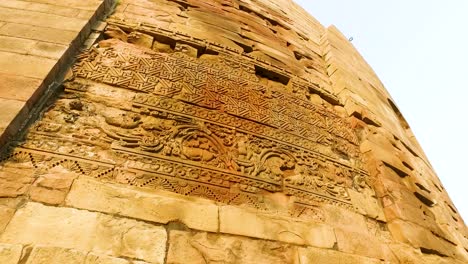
227,131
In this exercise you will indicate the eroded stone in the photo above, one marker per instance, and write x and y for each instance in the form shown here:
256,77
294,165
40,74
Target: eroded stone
213,248
10,254
247,223
37,224
156,207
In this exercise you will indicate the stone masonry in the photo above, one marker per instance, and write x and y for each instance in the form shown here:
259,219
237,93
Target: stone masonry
191,131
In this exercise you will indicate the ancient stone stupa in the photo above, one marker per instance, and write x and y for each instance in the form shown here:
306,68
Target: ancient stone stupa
196,131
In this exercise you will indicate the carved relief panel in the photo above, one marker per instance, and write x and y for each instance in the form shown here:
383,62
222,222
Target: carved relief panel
211,128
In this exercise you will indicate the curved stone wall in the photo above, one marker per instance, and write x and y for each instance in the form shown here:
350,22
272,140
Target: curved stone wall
227,131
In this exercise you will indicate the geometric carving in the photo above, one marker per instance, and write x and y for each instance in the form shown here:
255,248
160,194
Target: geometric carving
208,128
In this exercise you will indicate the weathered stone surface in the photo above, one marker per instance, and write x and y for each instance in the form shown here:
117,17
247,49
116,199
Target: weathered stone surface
16,87
51,226
55,255
243,130
59,36
101,259
5,216
8,207
41,19
247,223
51,188
359,244
15,181
124,237
10,254
409,255
141,39
11,109
25,65
213,248
420,237
156,207
37,224
44,8
368,204
314,255
28,46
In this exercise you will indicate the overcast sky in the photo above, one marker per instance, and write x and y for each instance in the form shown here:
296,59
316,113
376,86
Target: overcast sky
419,49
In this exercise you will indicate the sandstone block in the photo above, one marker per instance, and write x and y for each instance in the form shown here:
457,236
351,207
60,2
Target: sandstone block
10,254
141,39
150,206
48,50
44,8
85,14
125,237
18,45
18,87
204,248
47,196
409,255
5,216
420,237
186,49
33,47
359,244
116,32
84,4
367,204
41,19
55,255
314,255
51,188
37,224
15,181
344,219
51,226
161,47
239,221
25,65
7,210
101,259
53,35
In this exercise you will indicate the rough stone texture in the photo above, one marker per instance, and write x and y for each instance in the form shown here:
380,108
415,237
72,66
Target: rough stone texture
193,131
56,255
15,180
313,255
211,248
160,208
85,231
8,207
46,255
10,254
242,222
51,188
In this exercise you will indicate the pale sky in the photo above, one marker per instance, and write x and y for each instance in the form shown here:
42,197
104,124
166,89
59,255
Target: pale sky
419,49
